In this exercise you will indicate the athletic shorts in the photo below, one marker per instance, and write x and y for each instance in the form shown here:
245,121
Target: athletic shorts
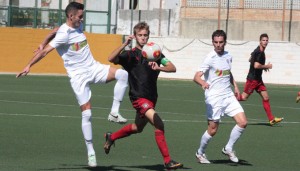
142,105
256,85
219,106
81,82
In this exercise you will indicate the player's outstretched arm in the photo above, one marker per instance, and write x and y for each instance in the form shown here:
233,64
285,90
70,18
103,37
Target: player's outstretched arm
37,57
46,40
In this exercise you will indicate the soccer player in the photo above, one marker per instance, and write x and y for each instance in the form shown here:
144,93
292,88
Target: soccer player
83,70
219,97
298,97
254,78
142,77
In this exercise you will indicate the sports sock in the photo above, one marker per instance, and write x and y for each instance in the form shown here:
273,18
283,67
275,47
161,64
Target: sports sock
86,126
162,145
123,132
119,89
235,134
267,108
204,142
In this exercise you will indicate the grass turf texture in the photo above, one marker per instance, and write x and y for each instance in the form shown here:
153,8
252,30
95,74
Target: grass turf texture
40,129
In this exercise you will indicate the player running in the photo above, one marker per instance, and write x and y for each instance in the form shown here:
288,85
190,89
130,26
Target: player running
254,78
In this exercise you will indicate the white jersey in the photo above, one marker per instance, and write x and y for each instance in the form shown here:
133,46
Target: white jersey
216,71
72,46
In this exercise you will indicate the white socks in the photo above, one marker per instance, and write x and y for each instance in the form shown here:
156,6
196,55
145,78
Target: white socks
119,89
234,136
204,142
86,126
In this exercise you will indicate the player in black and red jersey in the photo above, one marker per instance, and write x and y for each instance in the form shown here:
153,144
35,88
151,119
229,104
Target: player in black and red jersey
254,78
142,76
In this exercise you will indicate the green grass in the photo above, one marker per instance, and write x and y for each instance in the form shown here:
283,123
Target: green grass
40,129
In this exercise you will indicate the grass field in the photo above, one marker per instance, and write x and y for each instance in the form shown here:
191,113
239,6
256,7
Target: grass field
40,129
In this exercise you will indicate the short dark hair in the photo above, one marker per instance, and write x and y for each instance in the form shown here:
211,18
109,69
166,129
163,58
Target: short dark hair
140,26
263,35
73,6
218,33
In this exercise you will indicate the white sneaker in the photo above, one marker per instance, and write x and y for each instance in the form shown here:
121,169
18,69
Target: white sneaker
92,160
116,117
202,158
231,155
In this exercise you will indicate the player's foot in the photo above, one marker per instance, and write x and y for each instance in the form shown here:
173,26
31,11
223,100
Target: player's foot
231,155
202,158
275,121
298,97
173,165
116,117
108,142
92,160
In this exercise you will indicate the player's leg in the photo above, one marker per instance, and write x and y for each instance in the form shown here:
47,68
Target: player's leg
248,90
82,92
234,110
205,139
266,104
121,76
160,139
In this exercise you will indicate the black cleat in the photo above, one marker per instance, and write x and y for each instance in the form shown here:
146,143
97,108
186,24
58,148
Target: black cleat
173,165
108,142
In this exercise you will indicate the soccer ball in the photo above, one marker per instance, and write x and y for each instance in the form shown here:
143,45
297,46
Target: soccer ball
151,51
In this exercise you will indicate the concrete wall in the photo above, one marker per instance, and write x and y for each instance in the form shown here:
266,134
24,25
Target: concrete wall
188,54
17,46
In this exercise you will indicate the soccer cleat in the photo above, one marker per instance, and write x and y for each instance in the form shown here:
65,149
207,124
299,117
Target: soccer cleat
173,165
92,160
275,121
108,142
231,155
116,117
202,158
298,97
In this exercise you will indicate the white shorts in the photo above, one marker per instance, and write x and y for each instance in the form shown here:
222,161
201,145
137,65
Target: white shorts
218,106
81,82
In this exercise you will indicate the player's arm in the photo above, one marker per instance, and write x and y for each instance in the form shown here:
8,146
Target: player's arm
236,88
113,56
167,66
266,67
198,80
47,39
36,58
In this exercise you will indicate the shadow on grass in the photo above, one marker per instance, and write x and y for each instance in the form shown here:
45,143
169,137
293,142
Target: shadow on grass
227,162
158,167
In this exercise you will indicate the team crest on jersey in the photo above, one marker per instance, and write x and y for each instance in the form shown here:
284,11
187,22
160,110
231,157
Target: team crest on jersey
221,73
145,105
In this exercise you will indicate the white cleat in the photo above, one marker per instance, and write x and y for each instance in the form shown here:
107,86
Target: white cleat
116,117
231,155
202,158
92,160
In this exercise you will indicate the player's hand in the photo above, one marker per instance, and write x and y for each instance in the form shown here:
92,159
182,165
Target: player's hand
269,65
153,65
205,86
129,39
25,71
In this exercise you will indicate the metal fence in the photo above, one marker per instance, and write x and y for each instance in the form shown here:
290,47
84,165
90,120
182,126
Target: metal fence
250,4
40,16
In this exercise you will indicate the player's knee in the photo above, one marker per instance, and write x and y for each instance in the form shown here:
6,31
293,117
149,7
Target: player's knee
86,115
121,75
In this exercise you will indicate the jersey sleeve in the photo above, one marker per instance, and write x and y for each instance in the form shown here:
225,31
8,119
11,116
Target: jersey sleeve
205,65
59,39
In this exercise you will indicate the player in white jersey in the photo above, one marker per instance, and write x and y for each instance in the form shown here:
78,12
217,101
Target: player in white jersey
71,44
219,97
